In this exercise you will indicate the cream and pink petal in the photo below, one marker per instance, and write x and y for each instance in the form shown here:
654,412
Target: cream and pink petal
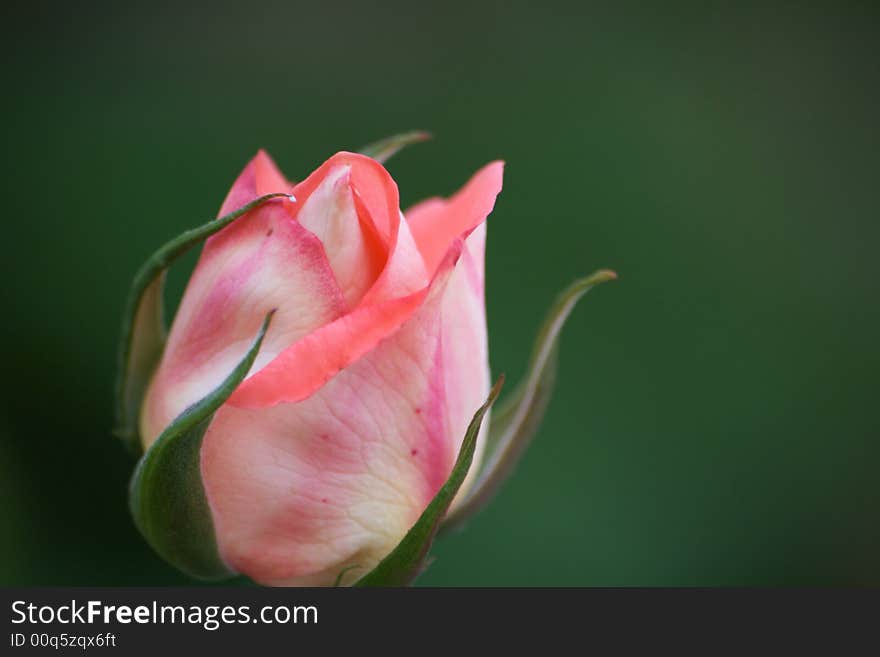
300,490
465,345
378,206
263,261
329,212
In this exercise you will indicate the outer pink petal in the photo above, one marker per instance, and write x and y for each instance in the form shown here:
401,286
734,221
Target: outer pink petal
309,363
260,176
300,490
435,223
264,260
464,336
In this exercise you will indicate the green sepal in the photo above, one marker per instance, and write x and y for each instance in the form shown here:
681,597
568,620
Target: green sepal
166,494
518,416
406,561
384,149
143,327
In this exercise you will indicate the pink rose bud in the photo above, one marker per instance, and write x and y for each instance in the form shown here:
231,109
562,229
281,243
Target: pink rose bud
375,361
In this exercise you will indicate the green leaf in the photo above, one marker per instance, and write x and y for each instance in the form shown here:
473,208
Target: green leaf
405,562
143,327
384,149
166,495
517,418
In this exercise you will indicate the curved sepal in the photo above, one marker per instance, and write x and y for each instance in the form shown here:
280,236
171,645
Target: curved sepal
143,328
516,420
406,561
384,149
166,494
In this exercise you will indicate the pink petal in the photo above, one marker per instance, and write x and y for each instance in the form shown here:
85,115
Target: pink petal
400,289
464,337
435,223
300,490
377,202
330,213
264,260
260,176
309,363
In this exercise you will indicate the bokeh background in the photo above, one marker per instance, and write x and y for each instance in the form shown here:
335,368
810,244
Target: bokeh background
716,417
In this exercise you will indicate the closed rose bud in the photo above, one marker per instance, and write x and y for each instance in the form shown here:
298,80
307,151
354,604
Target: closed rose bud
351,417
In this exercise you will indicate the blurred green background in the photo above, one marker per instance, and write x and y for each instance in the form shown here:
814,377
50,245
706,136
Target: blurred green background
716,416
